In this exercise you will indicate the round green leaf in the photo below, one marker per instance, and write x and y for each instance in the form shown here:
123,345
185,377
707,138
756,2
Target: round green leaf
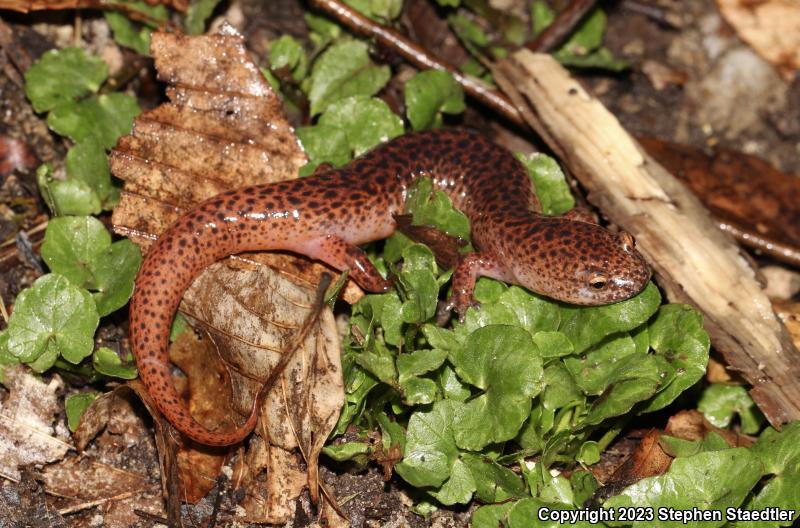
104,118
52,318
429,94
61,76
367,121
344,70
430,449
504,362
107,362
678,336
114,274
72,244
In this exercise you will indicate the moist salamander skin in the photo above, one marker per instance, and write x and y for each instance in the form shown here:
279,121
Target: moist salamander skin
326,217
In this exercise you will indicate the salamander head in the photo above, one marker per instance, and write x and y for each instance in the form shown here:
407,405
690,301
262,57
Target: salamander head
584,264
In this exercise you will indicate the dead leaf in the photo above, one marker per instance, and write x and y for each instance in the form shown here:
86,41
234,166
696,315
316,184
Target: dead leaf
661,75
692,425
114,412
750,198
28,432
15,155
770,27
224,129
26,6
647,460
209,403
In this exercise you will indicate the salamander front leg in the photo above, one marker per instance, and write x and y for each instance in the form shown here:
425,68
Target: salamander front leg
343,256
471,266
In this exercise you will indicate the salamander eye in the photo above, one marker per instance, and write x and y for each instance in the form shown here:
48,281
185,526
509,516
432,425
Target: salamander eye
598,281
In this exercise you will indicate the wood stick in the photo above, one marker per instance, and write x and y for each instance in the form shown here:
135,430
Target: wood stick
417,56
564,24
694,261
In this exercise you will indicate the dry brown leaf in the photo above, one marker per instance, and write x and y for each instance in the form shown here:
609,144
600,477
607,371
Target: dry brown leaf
647,460
28,433
692,425
749,197
224,129
26,6
114,412
770,27
209,403
87,479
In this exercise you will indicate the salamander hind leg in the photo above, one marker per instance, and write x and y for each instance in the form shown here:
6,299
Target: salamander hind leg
342,255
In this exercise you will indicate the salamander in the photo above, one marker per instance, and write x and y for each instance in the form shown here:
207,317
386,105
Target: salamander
327,215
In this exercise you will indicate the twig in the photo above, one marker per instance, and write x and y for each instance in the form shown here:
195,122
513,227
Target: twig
562,26
91,504
417,56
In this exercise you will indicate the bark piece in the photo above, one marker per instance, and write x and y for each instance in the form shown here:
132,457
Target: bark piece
694,261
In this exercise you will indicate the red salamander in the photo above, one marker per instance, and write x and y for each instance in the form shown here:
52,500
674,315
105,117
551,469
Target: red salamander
326,217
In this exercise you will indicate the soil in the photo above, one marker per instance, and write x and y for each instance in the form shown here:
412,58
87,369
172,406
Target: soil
691,80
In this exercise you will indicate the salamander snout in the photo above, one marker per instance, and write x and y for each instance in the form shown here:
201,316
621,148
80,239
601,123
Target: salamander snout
579,262
616,276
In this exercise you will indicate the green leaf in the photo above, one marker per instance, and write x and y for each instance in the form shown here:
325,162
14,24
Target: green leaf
434,208
635,378
780,455
286,52
589,453
358,451
588,325
701,481
594,370
678,336
467,30
458,489
379,361
550,184
367,121
418,282
525,514
429,94
493,482
128,33
324,144
107,362
504,362
541,16
80,249
61,76
720,402
410,366
114,274
560,389
72,244
323,31
553,344
344,70
491,516
75,405
52,318
6,358
430,448
73,197
86,162
104,118
199,11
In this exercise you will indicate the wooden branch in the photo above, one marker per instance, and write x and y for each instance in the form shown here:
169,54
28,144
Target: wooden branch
417,56
694,261
564,24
